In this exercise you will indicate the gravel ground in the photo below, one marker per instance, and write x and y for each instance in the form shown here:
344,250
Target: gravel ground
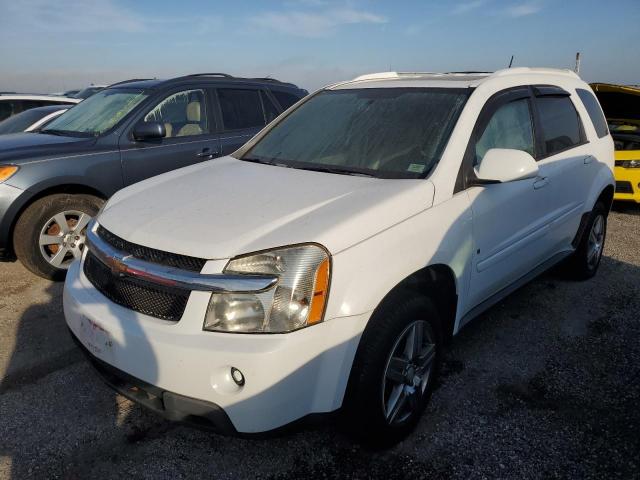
544,385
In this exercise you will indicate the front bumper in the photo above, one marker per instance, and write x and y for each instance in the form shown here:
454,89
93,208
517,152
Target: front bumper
627,184
9,207
287,376
167,404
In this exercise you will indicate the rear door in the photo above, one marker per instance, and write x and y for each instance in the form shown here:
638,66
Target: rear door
242,112
567,159
187,114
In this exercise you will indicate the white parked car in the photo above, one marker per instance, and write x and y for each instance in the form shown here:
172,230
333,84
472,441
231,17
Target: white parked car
31,120
14,103
326,263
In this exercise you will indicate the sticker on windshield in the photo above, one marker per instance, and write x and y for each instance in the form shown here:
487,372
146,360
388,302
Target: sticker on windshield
416,168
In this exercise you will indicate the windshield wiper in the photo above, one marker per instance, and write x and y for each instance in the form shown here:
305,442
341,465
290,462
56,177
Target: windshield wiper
257,160
66,133
339,170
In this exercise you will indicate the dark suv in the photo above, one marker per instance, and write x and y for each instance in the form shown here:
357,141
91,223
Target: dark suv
52,182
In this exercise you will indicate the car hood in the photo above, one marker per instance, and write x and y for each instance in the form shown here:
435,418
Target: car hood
21,148
226,207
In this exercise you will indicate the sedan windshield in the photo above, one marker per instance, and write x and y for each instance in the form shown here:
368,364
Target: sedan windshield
96,114
381,132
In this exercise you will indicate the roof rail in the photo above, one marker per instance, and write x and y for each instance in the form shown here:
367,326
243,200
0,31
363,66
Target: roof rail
214,74
130,80
548,71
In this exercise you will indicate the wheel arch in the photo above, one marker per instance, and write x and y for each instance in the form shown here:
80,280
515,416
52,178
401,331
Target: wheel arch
45,191
439,283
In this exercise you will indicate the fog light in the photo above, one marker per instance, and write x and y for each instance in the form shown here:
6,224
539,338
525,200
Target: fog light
237,376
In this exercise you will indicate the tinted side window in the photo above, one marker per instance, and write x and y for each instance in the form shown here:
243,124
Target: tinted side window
240,108
6,110
559,123
270,110
285,99
183,114
595,112
509,127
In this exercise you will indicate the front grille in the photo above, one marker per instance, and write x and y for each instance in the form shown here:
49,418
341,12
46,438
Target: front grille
154,300
184,262
624,187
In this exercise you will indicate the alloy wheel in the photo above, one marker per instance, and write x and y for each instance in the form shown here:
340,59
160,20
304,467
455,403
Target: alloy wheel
596,241
62,238
408,371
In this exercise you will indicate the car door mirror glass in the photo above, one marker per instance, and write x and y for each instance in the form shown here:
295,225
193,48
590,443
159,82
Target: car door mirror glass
501,165
149,131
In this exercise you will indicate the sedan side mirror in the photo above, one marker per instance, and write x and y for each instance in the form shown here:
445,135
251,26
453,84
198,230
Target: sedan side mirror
501,165
149,131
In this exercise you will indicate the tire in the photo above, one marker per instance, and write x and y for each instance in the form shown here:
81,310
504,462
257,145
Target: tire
369,409
52,260
584,262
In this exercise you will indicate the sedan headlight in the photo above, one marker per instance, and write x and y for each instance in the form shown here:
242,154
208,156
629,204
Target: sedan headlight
7,171
298,299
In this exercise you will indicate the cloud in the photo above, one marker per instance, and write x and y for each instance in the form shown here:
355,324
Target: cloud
314,24
523,9
466,7
68,16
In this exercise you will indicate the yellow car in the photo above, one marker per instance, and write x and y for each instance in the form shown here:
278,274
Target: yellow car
621,106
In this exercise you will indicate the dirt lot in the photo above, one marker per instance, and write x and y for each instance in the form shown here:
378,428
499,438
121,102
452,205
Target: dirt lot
544,385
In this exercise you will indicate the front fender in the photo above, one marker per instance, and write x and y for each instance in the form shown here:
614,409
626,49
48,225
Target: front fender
365,273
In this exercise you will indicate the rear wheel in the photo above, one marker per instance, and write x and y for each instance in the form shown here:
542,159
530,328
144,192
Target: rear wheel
50,233
584,262
394,371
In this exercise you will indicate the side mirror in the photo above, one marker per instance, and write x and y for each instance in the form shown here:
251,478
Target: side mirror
149,131
501,165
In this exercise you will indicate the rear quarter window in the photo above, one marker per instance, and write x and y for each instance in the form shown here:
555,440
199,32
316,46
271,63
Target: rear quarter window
285,99
592,106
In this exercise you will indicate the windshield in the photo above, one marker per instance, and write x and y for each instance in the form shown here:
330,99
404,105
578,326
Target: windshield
96,114
21,121
382,132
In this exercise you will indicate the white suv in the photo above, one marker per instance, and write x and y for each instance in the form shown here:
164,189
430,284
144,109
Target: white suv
326,263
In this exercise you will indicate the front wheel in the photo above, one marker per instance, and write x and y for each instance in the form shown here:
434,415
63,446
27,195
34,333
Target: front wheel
50,233
394,371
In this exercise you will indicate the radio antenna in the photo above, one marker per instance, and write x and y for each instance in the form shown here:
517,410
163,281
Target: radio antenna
511,61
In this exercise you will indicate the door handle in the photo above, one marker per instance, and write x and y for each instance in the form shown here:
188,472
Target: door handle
541,182
588,159
207,153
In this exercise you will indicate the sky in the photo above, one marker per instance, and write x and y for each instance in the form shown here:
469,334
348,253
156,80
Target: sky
54,45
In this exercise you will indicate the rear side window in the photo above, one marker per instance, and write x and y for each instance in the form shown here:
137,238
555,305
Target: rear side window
594,111
285,99
509,127
6,110
559,123
240,108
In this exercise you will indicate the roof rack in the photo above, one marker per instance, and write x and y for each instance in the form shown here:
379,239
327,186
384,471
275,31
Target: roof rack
215,74
131,80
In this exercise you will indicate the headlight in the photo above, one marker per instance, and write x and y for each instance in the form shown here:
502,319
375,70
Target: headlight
7,171
298,299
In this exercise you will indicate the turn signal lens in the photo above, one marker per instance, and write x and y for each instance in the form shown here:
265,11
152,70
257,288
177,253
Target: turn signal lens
320,290
6,171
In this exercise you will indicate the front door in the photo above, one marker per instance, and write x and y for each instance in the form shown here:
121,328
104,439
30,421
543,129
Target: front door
510,220
190,137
